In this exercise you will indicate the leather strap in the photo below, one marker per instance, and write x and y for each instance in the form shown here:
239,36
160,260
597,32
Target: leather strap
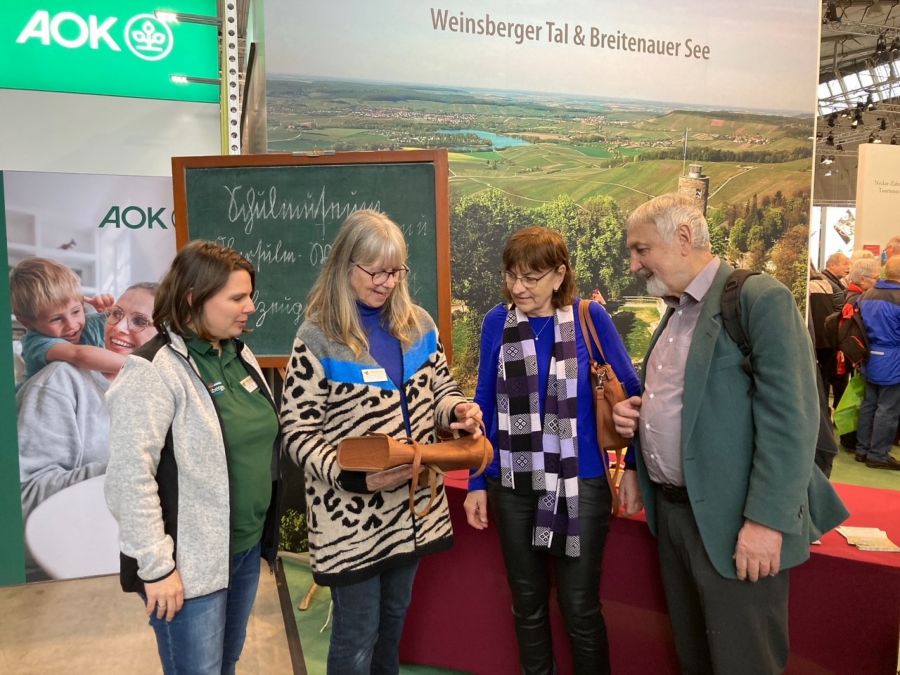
589,331
414,483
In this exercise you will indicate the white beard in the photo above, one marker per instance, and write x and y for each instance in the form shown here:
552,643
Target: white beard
657,288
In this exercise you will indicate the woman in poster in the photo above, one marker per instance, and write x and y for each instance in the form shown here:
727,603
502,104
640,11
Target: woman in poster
547,486
63,423
63,434
193,468
367,360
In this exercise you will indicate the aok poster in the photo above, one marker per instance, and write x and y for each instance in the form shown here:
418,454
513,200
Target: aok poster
569,115
115,233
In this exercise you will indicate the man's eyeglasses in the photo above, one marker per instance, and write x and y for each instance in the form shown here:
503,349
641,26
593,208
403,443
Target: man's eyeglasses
381,277
529,281
136,322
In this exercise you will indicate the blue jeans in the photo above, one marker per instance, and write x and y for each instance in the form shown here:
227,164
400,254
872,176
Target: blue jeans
878,414
368,623
206,637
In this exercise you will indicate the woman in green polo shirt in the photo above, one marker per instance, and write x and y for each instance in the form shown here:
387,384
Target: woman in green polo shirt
192,476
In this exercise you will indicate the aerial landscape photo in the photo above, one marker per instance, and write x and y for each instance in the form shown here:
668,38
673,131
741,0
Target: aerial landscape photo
577,164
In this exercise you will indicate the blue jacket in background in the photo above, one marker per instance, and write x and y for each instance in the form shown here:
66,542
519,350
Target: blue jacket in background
880,309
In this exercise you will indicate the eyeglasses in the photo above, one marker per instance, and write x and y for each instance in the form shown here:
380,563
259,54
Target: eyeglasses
381,277
136,322
528,281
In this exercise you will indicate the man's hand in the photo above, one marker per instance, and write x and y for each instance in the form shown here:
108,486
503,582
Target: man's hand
626,415
630,493
758,551
475,507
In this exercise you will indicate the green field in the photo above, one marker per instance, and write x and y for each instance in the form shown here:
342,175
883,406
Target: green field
582,148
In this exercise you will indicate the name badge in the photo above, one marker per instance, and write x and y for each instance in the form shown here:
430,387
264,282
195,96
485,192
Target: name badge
249,384
216,388
374,375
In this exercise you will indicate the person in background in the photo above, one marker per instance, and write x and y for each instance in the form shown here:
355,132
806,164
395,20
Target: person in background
193,469
46,298
864,273
547,487
880,409
837,266
891,248
725,468
368,361
834,375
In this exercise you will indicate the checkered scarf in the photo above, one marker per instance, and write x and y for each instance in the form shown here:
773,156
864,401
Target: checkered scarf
544,458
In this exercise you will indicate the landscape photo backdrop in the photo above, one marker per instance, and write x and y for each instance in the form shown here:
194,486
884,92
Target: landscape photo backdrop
545,129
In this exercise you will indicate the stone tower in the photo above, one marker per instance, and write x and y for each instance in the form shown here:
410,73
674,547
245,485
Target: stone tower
695,185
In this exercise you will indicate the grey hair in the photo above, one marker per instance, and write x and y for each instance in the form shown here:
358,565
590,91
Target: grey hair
669,211
862,268
835,258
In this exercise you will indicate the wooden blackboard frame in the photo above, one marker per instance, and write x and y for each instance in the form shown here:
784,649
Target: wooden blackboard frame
437,158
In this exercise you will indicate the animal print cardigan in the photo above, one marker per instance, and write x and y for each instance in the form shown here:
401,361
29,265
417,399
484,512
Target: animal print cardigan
353,536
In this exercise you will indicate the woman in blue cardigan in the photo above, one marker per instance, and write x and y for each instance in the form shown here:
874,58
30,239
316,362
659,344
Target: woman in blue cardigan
547,485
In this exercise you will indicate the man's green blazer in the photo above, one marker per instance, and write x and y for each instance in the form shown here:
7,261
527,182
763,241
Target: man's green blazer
748,445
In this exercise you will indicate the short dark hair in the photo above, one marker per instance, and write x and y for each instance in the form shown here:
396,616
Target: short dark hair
199,271
538,249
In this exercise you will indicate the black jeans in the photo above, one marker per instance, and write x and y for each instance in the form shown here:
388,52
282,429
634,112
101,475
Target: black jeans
577,579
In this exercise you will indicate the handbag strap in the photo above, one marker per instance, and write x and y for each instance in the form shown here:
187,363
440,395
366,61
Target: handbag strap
434,472
414,483
589,330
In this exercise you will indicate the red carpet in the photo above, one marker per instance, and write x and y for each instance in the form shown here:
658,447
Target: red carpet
844,607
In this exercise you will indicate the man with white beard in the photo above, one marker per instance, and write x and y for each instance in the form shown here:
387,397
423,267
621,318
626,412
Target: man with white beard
725,468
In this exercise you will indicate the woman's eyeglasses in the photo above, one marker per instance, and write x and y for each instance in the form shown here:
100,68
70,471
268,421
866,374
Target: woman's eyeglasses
529,281
136,322
381,277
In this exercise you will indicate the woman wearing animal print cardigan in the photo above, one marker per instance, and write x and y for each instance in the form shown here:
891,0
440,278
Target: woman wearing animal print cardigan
367,360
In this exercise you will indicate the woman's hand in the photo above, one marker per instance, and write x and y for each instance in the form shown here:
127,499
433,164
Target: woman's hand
468,416
166,595
475,507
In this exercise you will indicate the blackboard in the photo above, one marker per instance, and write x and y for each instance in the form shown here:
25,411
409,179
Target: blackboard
282,212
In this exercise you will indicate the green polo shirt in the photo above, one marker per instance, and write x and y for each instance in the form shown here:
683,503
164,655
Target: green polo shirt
249,425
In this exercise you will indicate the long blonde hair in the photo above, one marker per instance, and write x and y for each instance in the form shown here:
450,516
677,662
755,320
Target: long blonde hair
365,237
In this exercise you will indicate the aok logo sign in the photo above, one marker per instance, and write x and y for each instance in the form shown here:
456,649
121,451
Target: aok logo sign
145,36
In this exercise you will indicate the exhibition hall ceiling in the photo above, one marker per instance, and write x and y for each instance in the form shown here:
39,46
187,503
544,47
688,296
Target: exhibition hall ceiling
859,90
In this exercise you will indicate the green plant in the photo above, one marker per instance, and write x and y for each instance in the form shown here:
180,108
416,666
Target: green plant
294,536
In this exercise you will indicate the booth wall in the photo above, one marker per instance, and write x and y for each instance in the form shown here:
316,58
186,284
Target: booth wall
77,133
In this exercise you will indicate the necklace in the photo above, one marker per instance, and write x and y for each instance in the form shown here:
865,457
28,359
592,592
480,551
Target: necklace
546,323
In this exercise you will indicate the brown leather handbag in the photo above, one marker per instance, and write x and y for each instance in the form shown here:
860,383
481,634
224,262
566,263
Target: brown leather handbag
379,452
608,391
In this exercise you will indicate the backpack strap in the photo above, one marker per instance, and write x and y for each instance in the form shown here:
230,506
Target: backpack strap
731,315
